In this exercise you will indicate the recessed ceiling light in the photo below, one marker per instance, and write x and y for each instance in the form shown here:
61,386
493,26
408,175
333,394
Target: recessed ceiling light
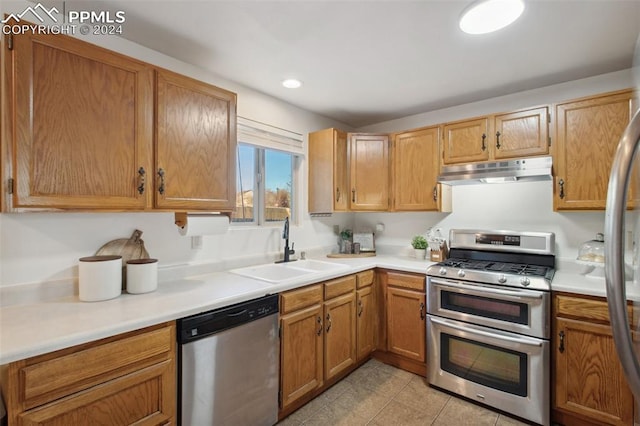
486,16
291,83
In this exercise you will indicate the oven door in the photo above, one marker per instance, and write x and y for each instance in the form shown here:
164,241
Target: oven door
497,368
513,309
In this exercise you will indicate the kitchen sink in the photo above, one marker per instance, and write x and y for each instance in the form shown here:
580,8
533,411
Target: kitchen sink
279,272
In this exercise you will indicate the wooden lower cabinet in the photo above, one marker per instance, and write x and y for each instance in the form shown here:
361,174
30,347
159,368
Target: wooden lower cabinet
126,379
590,387
301,353
319,337
403,337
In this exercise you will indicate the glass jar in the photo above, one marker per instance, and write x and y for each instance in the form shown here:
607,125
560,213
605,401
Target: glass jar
592,250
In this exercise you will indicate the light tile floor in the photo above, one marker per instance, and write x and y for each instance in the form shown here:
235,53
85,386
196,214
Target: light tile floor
377,394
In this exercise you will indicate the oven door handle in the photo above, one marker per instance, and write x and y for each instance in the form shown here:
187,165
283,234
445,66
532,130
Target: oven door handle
484,290
473,330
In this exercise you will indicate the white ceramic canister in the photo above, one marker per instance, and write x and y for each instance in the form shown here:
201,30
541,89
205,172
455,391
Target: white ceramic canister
99,278
142,275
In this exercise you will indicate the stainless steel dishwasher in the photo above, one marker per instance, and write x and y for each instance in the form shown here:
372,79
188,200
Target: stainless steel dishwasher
229,363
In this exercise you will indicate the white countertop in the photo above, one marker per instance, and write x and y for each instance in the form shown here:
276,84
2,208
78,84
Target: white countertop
35,328
32,329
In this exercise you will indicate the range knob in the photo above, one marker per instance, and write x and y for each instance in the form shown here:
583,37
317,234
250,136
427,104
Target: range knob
525,281
443,271
502,279
461,273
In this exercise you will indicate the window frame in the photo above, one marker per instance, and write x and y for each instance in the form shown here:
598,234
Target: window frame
259,185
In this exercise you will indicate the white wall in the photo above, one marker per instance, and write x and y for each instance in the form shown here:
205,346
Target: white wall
514,206
38,247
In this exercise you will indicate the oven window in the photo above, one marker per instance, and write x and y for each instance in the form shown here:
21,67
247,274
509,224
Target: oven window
488,365
484,306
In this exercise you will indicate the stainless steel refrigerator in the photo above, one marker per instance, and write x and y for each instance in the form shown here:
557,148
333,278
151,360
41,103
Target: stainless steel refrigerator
622,253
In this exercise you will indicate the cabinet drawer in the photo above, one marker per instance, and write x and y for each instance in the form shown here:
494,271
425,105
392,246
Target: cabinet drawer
365,278
397,279
579,307
48,377
301,298
339,286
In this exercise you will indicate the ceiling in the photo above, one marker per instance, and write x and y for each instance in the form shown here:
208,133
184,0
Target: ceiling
363,62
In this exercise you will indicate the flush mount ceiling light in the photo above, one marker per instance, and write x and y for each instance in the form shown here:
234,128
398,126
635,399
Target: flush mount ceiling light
291,83
486,16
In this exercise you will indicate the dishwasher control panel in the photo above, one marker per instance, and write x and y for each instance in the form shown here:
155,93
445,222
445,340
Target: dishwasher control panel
207,323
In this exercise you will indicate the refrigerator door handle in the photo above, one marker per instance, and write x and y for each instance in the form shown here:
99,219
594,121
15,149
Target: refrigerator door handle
621,175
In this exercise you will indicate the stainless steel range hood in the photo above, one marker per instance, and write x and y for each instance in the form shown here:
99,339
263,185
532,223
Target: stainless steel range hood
514,170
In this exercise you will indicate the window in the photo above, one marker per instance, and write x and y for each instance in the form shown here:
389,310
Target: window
265,174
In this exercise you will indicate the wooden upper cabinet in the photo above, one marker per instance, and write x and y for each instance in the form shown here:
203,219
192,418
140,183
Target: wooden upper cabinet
328,163
516,134
195,145
82,126
369,171
466,141
521,134
415,168
587,134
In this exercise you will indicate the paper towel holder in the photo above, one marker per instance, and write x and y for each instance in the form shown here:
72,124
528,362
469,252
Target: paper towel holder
181,218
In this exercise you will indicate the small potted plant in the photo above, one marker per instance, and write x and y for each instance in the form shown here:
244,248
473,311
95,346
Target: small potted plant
419,244
345,237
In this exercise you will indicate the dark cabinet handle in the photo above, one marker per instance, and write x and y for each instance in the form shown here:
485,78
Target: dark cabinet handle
435,193
161,175
141,174
319,331
337,194
353,195
498,140
328,322
561,347
484,147
422,311
561,183
360,308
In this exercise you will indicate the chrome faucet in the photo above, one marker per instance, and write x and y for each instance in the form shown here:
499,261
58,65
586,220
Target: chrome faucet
285,236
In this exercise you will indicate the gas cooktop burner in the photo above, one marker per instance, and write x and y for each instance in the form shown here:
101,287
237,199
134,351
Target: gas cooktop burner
504,267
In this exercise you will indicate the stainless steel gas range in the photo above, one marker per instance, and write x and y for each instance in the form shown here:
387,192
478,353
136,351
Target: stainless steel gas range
489,319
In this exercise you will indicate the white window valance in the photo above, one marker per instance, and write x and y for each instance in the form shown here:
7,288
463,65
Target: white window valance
266,136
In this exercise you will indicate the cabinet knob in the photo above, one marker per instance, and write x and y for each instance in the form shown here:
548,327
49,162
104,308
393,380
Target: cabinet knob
561,347
328,322
422,311
353,195
337,194
484,146
561,183
360,307
435,193
319,320
498,140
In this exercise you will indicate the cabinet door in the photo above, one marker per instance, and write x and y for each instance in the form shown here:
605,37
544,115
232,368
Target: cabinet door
406,330
587,134
340,334
521,134
82,137
328,163
369,171
146,396
365,335
589,380
301,353
466,141
415,170
195,145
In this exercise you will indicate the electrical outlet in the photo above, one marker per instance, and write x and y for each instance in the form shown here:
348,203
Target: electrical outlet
196,242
